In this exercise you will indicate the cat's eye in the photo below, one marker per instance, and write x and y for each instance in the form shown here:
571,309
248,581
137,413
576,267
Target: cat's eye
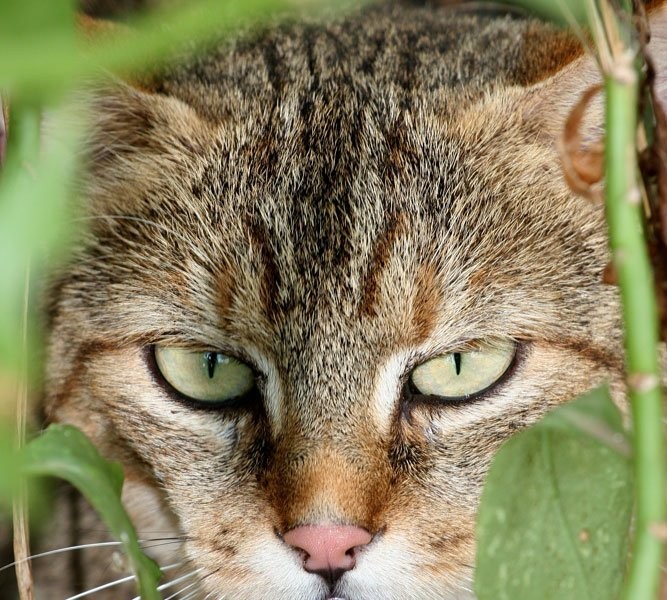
205,376
461,375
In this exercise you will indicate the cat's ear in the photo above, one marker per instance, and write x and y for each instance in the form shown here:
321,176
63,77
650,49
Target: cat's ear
658,50
550,102
130,116
128,120
127,114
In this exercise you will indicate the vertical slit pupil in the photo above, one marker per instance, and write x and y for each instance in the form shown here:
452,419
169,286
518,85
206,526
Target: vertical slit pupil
457,362
211,363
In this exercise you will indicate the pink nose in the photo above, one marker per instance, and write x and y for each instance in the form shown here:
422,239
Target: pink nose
329,548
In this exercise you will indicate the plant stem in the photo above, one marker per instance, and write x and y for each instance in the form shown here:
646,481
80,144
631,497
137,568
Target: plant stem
23,148
21,516
624,215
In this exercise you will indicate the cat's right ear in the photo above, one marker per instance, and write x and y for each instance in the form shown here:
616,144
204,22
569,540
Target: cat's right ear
129,116
128,120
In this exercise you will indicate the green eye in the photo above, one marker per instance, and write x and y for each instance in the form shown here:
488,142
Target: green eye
462,374
207,376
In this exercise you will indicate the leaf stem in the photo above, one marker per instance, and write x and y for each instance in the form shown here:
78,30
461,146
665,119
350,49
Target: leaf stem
631,261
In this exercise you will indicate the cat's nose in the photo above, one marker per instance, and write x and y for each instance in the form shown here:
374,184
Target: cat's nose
330,549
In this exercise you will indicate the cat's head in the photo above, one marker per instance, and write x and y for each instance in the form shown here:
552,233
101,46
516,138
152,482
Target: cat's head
329,270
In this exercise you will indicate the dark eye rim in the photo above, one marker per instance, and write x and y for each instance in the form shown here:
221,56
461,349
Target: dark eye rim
249,400
412,395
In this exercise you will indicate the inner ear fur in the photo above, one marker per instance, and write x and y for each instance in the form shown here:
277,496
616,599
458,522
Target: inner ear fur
128,116
128,120
549,103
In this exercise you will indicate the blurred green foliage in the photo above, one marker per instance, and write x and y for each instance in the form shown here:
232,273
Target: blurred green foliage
35,220
563,12
10,469
48,58
555,515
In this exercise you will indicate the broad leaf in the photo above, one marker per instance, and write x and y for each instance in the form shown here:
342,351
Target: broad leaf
63,451
556,507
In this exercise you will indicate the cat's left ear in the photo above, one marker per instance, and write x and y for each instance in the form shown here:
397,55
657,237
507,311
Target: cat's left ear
549,102
658,50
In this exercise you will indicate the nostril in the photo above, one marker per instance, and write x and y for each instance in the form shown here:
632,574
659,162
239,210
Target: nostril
330,549
331,576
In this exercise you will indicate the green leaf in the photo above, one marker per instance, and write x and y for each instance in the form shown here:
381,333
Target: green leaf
555,511
35,214
63,451
43,24
30,17
43,64
563,12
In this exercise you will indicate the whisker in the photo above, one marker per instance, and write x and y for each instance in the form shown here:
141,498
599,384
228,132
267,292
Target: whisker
164,586
147,534
105,586
60,550
102,587
465,587
158,543
181,591
211,573
145,544
144,534
196,594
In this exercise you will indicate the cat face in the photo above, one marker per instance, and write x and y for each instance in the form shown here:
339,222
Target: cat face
333,209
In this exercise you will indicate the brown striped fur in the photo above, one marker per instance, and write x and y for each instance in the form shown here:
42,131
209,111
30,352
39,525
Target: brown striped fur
332,203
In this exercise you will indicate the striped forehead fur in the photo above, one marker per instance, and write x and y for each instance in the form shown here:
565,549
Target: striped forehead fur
333,203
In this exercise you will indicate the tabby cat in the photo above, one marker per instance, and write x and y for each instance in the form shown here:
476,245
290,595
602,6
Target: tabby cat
331,267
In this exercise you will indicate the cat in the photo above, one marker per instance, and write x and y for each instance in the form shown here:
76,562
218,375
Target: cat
330,267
